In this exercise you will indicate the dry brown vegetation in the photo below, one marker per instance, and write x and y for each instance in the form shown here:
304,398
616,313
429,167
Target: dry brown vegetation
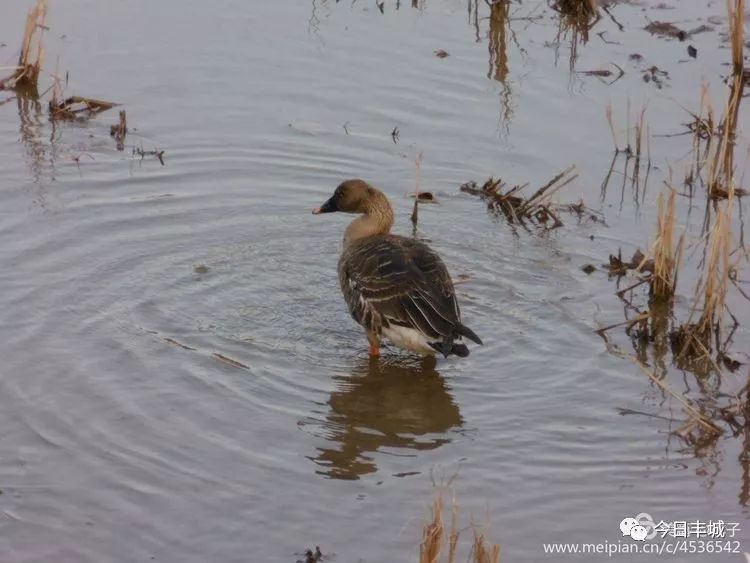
78,106
713,167
636,150
26,73
701,343
538,209
706,335
24,79
662,262
438,539
666,256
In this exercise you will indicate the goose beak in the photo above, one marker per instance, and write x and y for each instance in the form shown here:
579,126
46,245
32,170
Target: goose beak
328,207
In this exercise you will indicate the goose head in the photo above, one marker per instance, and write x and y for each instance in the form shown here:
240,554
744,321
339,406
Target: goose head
357,196
352,196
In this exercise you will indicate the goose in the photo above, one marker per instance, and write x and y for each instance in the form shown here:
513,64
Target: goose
395,287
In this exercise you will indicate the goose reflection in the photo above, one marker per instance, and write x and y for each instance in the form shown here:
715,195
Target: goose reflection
385,404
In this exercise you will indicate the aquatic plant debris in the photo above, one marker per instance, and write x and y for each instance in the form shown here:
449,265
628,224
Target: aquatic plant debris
669,30
159,154
26,73
424,197
229,361
605,73
179,344
666,29
537,209
619,267
119,131
77,106
312,556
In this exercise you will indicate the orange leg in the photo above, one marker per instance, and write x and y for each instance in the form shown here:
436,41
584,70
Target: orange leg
374,350
374,345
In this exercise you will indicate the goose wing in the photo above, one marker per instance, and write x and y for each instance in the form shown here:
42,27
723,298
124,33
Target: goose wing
402,281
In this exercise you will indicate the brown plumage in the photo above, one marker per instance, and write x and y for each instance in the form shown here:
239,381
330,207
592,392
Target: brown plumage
394,286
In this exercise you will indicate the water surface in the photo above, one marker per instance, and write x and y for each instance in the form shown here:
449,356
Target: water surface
181,380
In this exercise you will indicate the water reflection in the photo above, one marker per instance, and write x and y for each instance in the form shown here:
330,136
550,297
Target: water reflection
498,58
711,397
385,404
31,125
576,19
499,12
40,152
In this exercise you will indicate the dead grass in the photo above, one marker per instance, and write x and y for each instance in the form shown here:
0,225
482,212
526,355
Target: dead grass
433,533
636,151
120,131
483,551
721,166
699,339
438,539
703,130
26,74
666,256
701,343
537,209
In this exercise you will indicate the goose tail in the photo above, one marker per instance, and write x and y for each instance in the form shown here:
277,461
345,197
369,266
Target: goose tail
468,333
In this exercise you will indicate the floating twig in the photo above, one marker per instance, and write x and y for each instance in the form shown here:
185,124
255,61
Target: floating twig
119,131
138,151
76,106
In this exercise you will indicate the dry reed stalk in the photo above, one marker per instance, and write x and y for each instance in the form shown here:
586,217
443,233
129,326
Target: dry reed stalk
32,51
631,150
721,170
640,129
611,122
482,552
543,194
706,124
711,292
57,88
695,415
665,257
432,534
537,209
703,127
716,273
120,130
454,533
77,106
434,537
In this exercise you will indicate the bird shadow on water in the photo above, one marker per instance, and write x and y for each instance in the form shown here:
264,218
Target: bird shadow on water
384,403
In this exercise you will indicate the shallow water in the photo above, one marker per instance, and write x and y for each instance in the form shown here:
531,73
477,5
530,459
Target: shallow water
181,380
